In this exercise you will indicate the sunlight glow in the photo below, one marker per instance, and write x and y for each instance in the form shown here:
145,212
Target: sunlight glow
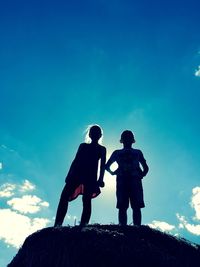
109,181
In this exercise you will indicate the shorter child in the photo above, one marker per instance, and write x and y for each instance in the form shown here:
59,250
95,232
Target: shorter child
82,176
129,178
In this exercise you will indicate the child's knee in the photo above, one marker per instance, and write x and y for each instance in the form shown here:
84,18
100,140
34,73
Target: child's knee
122,210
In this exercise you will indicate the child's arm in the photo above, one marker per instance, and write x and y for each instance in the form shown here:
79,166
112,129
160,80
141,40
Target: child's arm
144,165
102,167
109,163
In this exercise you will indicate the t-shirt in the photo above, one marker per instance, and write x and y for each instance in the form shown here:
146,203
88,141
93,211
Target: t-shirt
129,160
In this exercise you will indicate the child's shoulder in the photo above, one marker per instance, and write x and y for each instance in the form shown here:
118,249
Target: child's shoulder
82,145
136,150
103,148
117,151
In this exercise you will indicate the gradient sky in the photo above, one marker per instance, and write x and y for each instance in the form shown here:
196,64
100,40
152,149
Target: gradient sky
121,64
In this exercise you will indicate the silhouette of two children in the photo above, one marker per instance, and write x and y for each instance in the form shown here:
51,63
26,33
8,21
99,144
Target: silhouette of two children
82,177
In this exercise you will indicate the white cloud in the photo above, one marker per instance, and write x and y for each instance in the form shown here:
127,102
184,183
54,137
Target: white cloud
44,204
197,72
195,201
15,233
27,204
194,229
17,218
163,226
27,186
7,190
195,204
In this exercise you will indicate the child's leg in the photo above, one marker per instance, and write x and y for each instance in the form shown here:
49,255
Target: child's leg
136,200
122,216
87,209
62,207
137,216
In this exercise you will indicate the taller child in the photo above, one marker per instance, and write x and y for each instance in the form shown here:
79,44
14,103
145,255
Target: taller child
82,176
129,178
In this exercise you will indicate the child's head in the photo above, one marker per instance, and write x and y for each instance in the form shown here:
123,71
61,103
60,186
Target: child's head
127,137
94,133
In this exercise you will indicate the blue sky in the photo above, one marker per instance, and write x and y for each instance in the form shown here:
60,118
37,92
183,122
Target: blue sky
122,64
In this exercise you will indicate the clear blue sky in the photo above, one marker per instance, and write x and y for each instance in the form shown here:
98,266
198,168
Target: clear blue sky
121,64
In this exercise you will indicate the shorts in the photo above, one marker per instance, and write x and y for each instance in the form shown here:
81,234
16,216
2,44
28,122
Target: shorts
129,189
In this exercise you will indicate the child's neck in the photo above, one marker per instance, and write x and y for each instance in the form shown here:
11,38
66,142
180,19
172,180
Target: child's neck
94,142
127,145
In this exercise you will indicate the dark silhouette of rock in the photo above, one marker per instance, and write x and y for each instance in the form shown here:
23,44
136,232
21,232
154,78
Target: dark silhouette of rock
105,245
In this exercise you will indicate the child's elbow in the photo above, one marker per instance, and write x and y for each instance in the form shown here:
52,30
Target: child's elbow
146,170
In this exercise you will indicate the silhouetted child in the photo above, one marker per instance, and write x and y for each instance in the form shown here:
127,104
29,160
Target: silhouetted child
82,176
129,178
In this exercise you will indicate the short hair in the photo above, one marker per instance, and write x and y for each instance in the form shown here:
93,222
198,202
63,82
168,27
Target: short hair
127,135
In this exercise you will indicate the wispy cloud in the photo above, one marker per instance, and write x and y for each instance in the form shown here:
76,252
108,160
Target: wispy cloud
163,226
197,72
7,148
27,186
15,233
27,204
1,165
7,190
14,164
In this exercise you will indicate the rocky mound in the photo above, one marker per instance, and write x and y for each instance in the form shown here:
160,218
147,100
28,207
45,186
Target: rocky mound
105,245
